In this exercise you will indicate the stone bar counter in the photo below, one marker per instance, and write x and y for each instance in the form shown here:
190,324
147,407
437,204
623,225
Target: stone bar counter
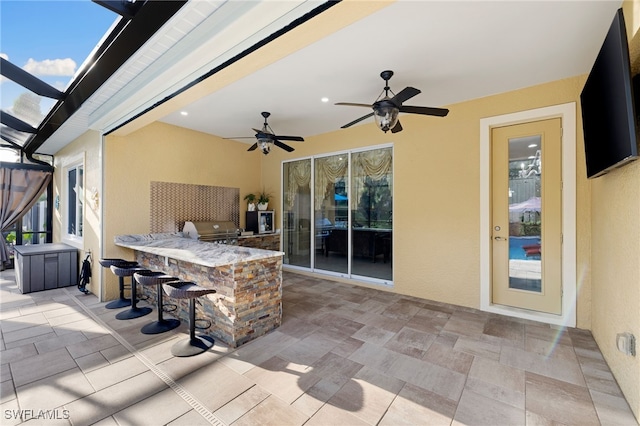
248,282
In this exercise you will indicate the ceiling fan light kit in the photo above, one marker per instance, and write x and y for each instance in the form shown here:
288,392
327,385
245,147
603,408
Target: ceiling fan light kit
386,108
265,138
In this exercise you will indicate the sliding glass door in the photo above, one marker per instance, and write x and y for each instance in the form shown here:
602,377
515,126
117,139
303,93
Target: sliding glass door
338,207
331,213
297,213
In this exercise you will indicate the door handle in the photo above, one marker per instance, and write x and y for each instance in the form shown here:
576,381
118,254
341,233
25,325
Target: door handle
499,239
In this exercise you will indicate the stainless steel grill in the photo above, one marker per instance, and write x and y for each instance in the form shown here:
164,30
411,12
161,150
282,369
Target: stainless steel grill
218,232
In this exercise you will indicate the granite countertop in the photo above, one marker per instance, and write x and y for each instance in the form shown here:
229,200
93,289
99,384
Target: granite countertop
176,246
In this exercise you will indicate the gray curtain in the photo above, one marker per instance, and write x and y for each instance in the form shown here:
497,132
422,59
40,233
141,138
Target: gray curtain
20,188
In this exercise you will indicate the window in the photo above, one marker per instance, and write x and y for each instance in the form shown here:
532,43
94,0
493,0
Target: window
74,194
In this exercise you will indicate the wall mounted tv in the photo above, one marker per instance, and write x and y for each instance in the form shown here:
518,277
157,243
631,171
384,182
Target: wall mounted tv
607,100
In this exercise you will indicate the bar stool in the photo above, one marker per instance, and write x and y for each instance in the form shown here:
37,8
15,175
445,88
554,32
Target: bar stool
157,278
122,301
134,311
194,345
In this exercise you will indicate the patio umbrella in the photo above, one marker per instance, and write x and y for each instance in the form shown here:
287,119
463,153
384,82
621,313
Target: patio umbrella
530,205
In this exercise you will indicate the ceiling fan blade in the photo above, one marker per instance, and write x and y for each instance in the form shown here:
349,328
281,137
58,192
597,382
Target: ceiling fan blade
364,117
438,112
290,138
354,104
254,146
405,94
397,128
283,146
241,137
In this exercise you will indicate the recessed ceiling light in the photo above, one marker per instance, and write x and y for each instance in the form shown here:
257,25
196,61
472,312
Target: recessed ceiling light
533,145
325,99
184,113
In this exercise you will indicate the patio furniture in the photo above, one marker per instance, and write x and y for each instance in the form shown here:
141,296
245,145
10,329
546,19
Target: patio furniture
157,278
194,345
133,312
122,301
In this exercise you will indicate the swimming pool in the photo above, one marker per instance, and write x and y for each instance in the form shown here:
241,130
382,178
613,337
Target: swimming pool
517,252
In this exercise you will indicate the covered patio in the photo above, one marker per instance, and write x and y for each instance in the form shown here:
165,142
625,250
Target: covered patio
344,355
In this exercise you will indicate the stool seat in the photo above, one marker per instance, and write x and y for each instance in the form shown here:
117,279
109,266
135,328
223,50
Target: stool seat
107,262
157,278
185,290
134,311
189,290
122,301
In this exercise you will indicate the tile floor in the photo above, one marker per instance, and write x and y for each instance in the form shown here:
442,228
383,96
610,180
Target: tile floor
344,356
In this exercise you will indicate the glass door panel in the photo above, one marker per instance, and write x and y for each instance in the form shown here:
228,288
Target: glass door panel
296,224
371,219
331,213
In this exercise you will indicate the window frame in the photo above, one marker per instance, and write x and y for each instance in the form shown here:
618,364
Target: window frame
77,164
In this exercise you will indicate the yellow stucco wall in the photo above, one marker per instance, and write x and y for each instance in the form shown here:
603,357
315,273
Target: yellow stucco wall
615,258
87,148
161,152
436,192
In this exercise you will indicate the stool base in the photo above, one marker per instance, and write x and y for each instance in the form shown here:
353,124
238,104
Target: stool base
192,346
158,327
118,303
133,313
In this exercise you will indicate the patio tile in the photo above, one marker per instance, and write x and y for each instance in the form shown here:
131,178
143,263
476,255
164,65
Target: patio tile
447,357
242,404
475,408
54,391
284,379
5,372
373,335
20,336
612,410
159,409
106,402
331,415
368,395
111,374
478,348
191,418
560,369
7,391
17,353
57,342
413,403
92,345
272,411
559,401
40,366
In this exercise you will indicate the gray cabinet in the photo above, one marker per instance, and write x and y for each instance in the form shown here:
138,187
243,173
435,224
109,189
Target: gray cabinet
45,266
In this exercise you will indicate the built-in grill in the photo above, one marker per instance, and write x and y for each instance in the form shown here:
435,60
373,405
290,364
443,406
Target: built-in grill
218,232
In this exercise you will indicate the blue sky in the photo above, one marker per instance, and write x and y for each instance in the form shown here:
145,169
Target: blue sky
50,39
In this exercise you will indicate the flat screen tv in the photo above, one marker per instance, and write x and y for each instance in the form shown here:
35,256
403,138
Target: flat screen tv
607,100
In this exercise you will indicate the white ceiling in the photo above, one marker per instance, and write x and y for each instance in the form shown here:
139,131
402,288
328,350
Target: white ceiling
451,50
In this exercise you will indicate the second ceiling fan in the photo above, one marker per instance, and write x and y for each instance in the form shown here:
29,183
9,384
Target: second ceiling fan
386,108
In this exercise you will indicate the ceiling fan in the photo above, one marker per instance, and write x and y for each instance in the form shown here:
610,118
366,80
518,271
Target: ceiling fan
386,108
265,138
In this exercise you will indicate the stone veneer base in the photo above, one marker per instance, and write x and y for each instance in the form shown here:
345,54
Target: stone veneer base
247,303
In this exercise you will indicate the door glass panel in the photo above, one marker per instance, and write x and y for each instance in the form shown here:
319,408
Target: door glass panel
372,223
331,211
297,213
525,214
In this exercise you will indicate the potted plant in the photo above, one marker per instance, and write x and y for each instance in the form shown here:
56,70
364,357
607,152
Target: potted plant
251,201
263,200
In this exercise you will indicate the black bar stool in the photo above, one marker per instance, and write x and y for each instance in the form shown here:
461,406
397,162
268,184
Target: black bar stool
134,311
194,345
157,278
122,301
